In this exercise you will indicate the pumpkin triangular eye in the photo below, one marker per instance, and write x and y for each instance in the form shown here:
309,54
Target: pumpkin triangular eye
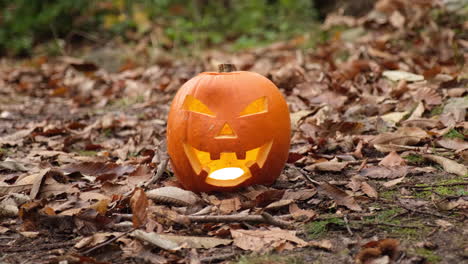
258,106
194,105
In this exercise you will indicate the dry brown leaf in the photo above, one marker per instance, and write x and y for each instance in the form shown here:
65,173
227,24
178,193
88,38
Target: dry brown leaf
173,195
430,96
139,205
301,214
228,206
327,166
93,240
402,75
322,244
393,182
384,172
453,143
98,169
397,19
418,112
174,242
392,159
279,204
265,240
17,188
449,165
39,179
403,136
339,196
369,190
299,195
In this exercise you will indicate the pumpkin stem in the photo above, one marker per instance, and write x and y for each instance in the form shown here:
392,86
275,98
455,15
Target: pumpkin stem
226,67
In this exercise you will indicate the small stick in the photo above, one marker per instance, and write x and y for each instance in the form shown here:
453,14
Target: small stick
345,218
217,258
108,241
421,212
304,174
160,170
435,185
263,218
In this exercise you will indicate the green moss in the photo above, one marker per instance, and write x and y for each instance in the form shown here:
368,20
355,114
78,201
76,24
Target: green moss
388,217
317,229
414,159
390,194
89,153
453,133
441,190
437,110
128,101
3,151
430,256
268,259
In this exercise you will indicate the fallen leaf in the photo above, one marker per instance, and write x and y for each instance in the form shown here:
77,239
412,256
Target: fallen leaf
392,159
174,242
393,182
397,19
339,196
97,238
369,190
449,165
39,179
443,223
98,169
394,118
265,240
384,172
418,112
299,195
327,166
301,214
228,206
267,197
402,75
12,165
173,195
428,95
403,136
378,250
453,143
322,244
139,205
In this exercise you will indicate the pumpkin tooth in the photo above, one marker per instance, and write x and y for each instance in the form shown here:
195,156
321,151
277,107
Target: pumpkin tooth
240,155
214,156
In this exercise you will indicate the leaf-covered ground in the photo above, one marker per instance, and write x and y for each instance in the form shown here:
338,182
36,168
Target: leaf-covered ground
377,171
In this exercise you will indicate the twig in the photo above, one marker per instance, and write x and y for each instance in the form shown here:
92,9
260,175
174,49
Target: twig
263,218
108,241
435,185
39,247
160,170
218,257
420,212
304,174
345,218
392,225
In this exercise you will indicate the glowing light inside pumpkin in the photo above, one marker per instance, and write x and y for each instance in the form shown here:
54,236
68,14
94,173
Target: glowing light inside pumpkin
227,174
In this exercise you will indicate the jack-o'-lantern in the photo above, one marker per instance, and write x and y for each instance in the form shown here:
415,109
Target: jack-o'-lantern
226,130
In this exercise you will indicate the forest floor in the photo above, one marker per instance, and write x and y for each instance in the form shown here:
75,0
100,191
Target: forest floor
377,170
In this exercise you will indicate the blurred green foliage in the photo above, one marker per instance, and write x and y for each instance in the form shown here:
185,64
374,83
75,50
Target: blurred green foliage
175,23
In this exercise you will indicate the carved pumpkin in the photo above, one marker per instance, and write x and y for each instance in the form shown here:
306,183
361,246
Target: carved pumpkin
227,130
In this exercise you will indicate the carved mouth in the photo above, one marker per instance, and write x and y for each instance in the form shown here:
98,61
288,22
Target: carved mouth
228,168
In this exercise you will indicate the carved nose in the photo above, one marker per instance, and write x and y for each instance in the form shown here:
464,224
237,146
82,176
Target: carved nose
226,132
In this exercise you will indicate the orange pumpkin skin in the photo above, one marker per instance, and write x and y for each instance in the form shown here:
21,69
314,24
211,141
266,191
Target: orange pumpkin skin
212,114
